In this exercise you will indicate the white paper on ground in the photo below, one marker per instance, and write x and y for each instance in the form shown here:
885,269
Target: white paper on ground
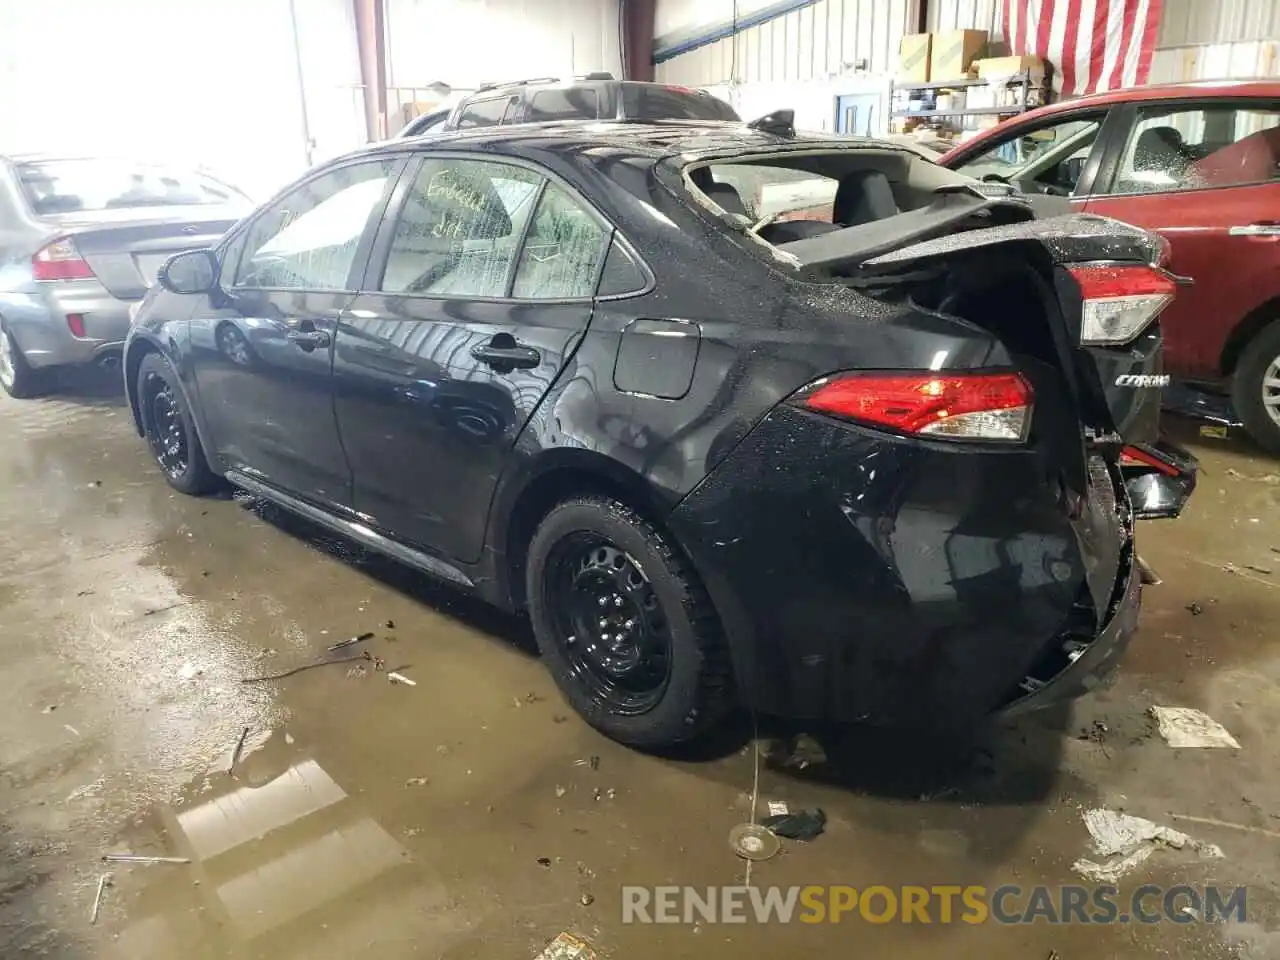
1184,727
1129,841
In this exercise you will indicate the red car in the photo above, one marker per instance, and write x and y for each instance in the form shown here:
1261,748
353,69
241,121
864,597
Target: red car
1200,164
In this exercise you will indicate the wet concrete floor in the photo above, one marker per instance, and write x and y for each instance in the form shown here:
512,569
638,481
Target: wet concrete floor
453,819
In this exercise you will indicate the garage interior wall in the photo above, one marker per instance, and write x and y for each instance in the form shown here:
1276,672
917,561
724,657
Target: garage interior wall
465,43
183,81
807,57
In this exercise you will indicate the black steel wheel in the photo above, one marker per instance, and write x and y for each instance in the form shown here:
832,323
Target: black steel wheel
168,427
624,624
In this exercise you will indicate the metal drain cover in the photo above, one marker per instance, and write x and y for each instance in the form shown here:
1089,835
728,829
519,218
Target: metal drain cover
753,842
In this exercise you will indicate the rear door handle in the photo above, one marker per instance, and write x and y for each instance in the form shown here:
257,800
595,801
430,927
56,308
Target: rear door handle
509,354
308,340
1255,230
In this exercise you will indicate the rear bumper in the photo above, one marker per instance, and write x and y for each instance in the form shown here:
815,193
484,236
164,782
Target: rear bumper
905,582
38,322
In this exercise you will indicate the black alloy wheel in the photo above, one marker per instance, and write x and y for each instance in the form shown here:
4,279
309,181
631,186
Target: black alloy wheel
169,428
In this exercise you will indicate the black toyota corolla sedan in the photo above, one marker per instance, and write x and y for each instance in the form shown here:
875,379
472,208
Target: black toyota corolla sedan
737,415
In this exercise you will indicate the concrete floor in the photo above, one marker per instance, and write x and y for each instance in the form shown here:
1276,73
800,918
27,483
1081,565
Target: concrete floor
128,616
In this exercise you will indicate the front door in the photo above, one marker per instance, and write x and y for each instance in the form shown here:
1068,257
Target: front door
262,345
1207,177
478,295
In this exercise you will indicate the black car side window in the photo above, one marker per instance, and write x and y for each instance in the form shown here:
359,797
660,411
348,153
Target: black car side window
561,256
308,240
459,228
621,274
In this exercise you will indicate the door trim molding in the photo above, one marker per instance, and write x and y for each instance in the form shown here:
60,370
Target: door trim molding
355,531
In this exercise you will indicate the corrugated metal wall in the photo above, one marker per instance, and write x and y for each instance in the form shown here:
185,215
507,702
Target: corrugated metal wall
1204,39
823,40
964,15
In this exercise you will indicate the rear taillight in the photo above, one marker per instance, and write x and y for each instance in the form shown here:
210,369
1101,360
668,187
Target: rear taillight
75,323
1120,300
972,406
1137,457
60,260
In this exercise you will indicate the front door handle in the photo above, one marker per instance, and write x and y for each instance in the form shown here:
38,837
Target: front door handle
504,352
308,340
1269,229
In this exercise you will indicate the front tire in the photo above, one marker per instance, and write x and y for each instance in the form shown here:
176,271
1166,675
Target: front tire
17,377
625,626
1255,391
170,430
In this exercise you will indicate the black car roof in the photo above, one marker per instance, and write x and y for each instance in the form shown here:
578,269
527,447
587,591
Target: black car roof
655,140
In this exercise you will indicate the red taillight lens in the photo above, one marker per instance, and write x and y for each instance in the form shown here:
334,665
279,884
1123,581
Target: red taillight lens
60,260
1135,457
75,323
1120,300
975,406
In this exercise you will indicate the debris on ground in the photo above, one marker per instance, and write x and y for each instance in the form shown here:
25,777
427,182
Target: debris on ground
778,808
751,841
801,825
103,882
265,653
50,708
1128,841
358,672
416,782
309,666
544,861
141,858
1184,727
1148,574
401,678
1217,433
235,754
1258,568
1096,732
189,671
567,947
586,899
800,751
349,642
390,624
1195,608
560,791
592,762
1214,822
558,718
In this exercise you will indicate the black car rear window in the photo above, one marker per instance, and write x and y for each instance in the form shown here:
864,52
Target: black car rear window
642,101
70,186
483,113
575,103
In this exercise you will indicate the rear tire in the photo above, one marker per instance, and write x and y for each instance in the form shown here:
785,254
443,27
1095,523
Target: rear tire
170,430
1256,402
17,377
625,626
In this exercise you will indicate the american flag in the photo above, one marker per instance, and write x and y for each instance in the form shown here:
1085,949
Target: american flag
1094,45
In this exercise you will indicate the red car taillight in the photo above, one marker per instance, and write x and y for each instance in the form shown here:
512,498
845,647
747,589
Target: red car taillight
1120,300
60,260
965,406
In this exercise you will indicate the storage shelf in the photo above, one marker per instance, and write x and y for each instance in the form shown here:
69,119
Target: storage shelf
966,112
940,84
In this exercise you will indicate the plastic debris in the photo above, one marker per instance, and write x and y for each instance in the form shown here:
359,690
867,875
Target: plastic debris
189,671
103,882
1128,842
1184,727
350,642
592,762
778,808
416,782
141,858
544,861
1195,608
567,947
401,678
802,825
586,899
235,754
560,791
751,841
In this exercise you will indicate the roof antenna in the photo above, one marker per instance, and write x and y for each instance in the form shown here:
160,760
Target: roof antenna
780,123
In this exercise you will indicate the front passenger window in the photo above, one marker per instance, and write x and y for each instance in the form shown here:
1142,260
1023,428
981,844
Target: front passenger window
308,240
561,256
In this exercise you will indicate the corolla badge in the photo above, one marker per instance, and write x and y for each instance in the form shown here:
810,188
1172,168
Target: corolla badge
1142,380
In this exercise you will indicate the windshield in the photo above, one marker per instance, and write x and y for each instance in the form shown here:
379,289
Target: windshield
71,186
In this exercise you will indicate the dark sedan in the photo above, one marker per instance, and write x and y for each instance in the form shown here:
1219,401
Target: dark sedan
724,444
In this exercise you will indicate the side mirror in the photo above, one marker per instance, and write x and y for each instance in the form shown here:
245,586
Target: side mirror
194,271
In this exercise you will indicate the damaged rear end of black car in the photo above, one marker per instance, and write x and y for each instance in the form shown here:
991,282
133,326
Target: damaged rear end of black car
937,526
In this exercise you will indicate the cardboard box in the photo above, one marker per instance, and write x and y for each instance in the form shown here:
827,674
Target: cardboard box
953,51
1002,68
913,58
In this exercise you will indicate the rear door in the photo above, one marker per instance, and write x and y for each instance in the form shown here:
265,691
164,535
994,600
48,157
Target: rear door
477,295
1206,176
262,345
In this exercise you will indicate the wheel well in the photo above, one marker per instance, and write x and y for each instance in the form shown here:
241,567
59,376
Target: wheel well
551,488
132,361
1246,330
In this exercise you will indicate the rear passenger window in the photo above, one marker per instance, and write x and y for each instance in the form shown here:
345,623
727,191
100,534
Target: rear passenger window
483,113
459,228
561,256
572,104
621,274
